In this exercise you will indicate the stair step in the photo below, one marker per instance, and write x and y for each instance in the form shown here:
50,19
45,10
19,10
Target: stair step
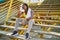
48,20
47,10
11,21
12,27
9,34
44,8
16,17
49,16
13,18
40,16
45,32
47,25
14,22
44,20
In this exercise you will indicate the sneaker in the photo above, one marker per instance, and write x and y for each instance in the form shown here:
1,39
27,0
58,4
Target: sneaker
14,33
27,35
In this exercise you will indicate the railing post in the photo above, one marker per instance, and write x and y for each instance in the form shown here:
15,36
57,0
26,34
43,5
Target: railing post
28,2
9,10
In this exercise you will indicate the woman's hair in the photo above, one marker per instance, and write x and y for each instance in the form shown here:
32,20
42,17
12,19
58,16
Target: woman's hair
26,6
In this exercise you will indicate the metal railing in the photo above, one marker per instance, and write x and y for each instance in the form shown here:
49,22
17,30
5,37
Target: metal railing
5,8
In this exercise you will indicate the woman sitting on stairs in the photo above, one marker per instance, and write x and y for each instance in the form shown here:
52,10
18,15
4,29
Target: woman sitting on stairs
24,9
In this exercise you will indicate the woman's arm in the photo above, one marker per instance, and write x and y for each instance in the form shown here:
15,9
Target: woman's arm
18,14
20,10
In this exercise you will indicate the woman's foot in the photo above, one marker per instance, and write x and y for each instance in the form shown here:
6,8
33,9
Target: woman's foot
14,33
27,35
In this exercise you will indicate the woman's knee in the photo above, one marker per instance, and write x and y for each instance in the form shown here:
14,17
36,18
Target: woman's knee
31,20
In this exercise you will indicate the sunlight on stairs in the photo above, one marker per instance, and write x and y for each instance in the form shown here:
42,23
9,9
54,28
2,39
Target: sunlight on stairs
46,17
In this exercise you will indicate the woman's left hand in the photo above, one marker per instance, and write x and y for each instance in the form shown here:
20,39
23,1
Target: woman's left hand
23,23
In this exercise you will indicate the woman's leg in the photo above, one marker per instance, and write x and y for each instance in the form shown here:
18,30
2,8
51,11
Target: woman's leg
30,25
16,25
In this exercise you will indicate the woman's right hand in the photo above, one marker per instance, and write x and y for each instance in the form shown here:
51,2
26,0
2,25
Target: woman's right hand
19,14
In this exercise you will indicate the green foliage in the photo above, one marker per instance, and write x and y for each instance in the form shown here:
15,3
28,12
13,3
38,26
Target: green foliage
1,1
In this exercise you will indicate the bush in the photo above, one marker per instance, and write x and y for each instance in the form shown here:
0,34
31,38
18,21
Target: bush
1,1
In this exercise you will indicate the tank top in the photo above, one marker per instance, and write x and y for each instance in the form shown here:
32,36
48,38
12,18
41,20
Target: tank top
29,13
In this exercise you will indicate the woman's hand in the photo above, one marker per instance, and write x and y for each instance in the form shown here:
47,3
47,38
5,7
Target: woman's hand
23,23
28,18
18,14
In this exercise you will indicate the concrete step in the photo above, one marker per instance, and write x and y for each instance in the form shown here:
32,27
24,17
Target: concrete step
45,32
15,36
12,27
47,25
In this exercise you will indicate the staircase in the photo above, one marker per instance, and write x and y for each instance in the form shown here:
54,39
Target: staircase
46,17
50,10
4,9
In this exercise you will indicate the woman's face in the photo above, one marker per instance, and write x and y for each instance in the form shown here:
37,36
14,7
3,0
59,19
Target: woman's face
24,7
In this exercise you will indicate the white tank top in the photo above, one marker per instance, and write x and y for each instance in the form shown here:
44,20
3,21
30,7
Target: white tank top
28,13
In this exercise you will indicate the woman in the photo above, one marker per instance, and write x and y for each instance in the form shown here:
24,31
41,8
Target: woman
24,8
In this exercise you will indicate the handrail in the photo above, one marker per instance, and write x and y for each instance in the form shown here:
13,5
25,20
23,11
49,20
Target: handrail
6,10
4,17
2,10
3,3
11,1
7,6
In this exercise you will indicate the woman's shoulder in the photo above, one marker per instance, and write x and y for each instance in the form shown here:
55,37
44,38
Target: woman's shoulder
30,9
